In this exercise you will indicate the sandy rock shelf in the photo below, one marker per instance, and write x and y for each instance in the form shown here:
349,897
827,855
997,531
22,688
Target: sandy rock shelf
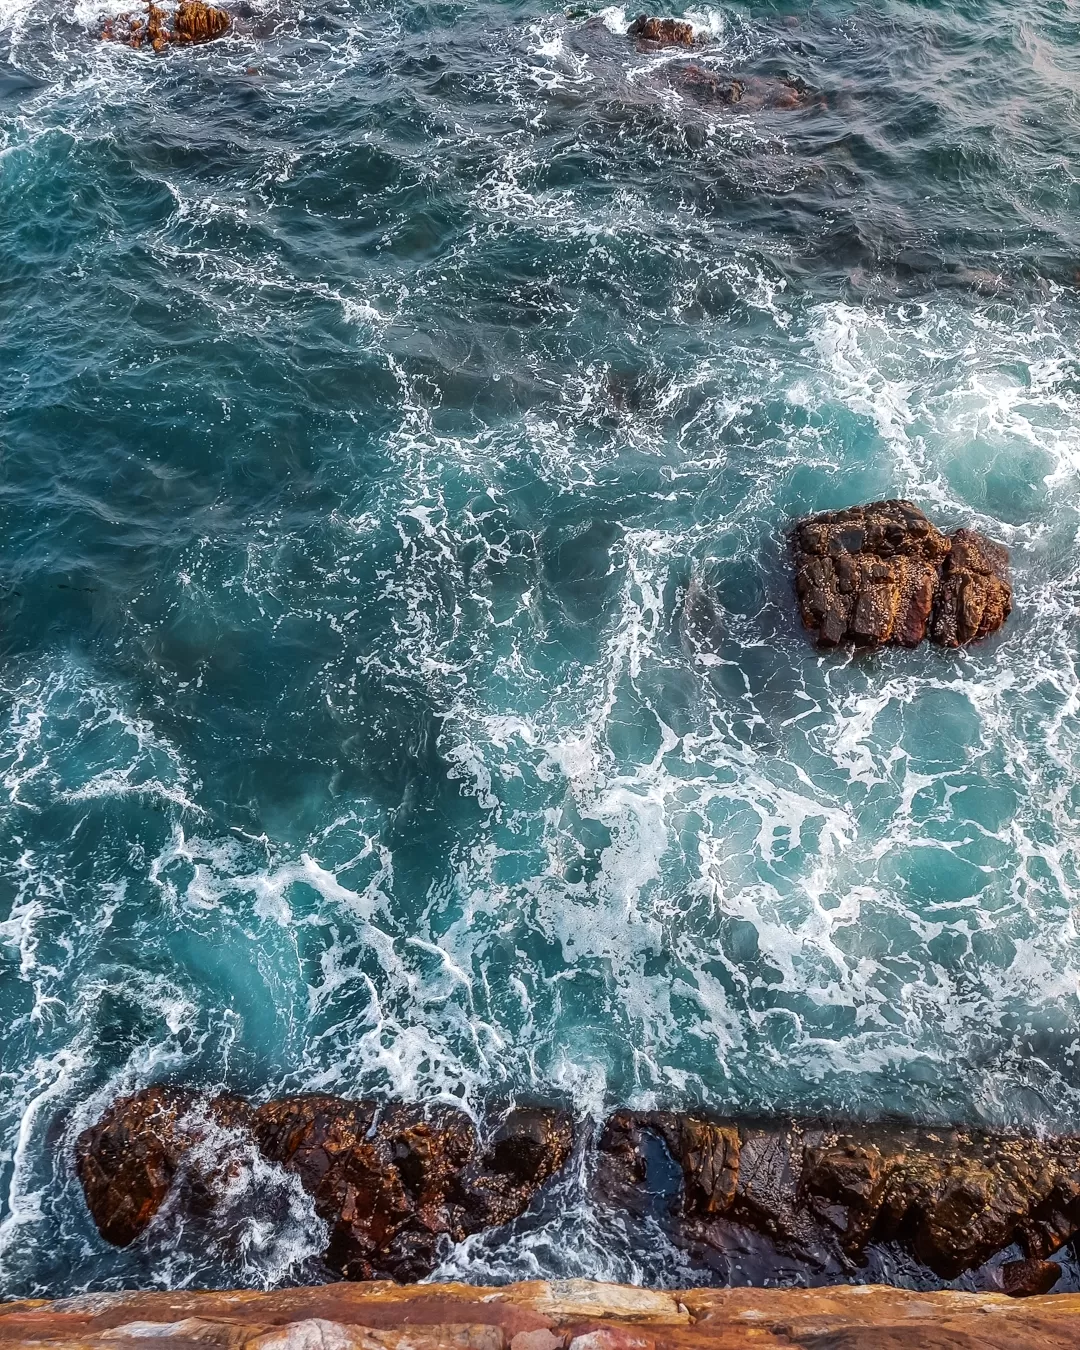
558,1315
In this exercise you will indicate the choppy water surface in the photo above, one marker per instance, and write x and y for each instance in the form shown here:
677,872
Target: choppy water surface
375,382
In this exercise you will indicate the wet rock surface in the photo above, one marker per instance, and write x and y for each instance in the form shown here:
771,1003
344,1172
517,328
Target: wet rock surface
129,1160
952,1198
393,1183
884,574
1026,1279
192,22
662,32
396,1184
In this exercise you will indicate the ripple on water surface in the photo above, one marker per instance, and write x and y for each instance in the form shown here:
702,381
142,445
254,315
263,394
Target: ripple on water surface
376,383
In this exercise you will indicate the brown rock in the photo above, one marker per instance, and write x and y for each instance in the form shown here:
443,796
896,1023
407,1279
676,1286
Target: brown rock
747,92
393,1317
709,86
192,22
1026,1279
663,32
953,1198
878,574
127,1161
975,597
393,1183
539,1339
196,22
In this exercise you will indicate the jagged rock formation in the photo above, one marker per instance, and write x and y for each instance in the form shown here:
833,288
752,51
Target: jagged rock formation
128,1161
192,22
542,1315
662,32
395,1182
391,1182
953,1198
882,573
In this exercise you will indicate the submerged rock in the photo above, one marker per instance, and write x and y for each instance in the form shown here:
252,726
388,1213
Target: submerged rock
392,1182
952,1198
700,625
749,93
663,32
192,22
882,573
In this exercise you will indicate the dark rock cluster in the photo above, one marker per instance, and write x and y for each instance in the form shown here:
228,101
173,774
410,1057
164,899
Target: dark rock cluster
952,1198
662,32
192,22
393,1183
750,93
882,573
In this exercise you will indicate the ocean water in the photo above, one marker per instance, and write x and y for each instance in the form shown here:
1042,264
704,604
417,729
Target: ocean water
375,383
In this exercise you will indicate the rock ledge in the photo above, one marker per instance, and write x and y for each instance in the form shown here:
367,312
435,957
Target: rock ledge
542,1315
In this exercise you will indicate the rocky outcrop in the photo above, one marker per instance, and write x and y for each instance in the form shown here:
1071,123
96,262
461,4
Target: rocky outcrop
393,1183
129,1160
196,22
662,32
192,22
951,1198
396,1183
882,573
541,1315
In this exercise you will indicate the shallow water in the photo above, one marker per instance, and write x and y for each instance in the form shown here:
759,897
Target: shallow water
375,383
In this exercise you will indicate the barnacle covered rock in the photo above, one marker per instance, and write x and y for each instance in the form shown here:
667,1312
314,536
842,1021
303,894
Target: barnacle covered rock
883,573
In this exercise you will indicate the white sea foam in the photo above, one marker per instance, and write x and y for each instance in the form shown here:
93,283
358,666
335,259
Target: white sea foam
757,878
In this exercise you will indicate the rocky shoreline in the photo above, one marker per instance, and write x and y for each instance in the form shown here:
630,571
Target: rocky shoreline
398,1184
543,1315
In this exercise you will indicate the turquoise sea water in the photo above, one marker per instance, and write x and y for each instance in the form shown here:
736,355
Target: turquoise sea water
374,384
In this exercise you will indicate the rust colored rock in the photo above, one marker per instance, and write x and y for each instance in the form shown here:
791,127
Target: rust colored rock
155,31
664,32
953,1198
192,22
879,574
1027,1279
975,597
393,1183
379,1179
393,1317
127,1161
196,22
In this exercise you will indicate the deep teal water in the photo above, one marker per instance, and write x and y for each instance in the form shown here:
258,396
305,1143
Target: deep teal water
374,383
